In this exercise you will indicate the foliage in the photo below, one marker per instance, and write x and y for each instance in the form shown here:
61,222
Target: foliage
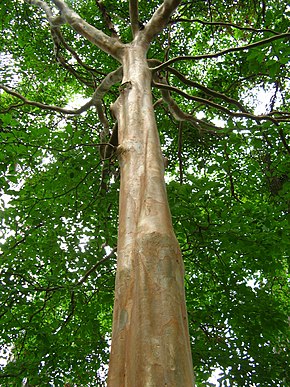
228,187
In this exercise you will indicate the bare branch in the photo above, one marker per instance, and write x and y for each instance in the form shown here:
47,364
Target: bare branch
48,11
44,106
180,116
179,152
94,267
134,16
224,24
223,52
159,20
58,40
107,18
275,120
205,89
106,84
106,43
110,79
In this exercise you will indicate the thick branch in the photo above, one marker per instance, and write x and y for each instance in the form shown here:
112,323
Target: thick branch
134,16
159,19
223,52
58,41
106,43
111,79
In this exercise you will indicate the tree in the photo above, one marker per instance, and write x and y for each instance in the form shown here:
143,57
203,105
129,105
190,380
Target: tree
194,70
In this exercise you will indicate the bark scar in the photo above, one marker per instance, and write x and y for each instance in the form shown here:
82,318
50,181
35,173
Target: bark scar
125,86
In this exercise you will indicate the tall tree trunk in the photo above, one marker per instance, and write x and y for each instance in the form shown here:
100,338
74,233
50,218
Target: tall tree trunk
150,340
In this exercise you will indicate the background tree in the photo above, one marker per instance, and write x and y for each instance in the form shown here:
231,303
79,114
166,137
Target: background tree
220,87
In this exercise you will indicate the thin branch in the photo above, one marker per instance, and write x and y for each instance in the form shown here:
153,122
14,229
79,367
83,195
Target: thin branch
179,115
240,80
108,81
48,11
230,175
179,153
222,108
58,39
74,188
205,89
47,107
224,24
134,16
94,267
71,312
223,52
71,70
11,107
284,141
23,239
107,18
103,119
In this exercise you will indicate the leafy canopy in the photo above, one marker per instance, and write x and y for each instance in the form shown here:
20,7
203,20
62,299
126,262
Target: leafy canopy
221,92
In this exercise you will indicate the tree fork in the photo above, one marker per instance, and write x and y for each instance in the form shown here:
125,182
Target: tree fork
150,340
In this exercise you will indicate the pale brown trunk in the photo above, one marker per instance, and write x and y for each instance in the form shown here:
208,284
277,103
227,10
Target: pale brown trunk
150,340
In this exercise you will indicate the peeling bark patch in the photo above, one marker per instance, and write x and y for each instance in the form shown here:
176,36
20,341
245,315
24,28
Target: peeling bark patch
123,319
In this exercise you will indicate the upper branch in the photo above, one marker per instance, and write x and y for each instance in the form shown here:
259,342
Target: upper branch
223,52
159,19
107,18
134,16
224,24
45,7
106,43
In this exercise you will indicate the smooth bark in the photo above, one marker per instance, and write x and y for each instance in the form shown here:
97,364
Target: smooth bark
150,340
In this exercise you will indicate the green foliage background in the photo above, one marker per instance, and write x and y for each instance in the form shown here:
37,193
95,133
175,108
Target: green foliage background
230,204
